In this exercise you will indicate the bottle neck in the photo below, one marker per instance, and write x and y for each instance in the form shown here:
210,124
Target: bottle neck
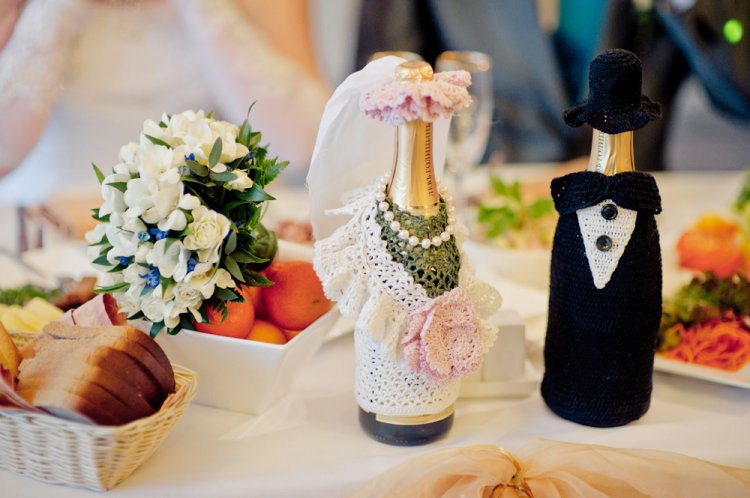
611,154
413,185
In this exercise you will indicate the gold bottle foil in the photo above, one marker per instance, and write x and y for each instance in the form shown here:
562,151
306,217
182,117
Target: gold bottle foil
611,154
413,185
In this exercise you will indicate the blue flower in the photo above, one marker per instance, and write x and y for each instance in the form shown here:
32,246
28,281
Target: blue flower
153,277
191,264
249,156
125,260
190,157
158,234
143,236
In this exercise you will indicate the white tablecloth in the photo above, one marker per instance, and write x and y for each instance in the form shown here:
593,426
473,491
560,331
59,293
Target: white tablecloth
310,444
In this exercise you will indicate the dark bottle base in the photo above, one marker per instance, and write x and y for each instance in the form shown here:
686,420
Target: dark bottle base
404,435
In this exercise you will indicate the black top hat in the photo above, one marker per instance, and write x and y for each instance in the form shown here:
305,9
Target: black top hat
615,102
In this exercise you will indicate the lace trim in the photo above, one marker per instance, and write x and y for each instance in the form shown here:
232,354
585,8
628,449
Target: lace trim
372,288
33,61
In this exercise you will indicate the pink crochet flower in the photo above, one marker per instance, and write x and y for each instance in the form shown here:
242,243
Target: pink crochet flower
397,102
443,339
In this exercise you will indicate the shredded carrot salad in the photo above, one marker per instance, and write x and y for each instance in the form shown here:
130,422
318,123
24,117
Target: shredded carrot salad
723,344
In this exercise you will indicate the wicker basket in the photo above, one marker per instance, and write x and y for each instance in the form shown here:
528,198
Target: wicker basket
59,451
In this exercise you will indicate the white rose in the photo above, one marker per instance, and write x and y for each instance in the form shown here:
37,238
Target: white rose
170,257
141,253
132,275
207,282
187,296
94,236
154,201
241,182
113,197
132,223
124,243
129,154
157,160
152,305
199,136
172,312
152,128
128,301
206,233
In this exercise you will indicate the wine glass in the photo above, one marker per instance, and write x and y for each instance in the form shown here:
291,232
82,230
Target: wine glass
470,127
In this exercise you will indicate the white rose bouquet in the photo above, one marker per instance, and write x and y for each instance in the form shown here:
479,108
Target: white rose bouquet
179,228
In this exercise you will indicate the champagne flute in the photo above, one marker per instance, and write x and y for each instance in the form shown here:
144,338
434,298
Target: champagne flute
470,127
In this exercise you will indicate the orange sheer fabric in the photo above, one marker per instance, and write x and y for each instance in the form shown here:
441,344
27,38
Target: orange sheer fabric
557,470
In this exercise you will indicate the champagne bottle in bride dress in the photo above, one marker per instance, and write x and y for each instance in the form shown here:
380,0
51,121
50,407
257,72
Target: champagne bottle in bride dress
605,285
396,269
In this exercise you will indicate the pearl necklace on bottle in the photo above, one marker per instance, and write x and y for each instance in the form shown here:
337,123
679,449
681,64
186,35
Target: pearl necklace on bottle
405,234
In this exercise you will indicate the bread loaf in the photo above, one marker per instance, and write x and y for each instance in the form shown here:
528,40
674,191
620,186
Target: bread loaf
107,375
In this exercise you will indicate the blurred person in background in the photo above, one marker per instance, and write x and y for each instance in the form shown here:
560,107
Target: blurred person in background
541,52
79,77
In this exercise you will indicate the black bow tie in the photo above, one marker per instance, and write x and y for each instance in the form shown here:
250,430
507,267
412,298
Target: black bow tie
631,190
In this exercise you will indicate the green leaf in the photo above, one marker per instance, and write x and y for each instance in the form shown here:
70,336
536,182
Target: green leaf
254,139
257,280
156,328
231,243
226,176
244,257
176,330
227,295
233,268
243,136
540,208
210,115
204,314
215,155
95,215
121,287
157,141
99,175
104,240
136,315
121,186
257,194
197,168
102,260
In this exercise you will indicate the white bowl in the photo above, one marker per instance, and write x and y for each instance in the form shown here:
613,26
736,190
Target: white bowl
243,375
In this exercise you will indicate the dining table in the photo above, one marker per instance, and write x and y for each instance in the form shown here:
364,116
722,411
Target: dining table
309,443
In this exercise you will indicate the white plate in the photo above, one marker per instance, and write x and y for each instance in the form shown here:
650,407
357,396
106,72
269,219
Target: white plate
740,378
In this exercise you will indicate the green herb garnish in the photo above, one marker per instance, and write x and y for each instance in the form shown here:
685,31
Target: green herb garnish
514,222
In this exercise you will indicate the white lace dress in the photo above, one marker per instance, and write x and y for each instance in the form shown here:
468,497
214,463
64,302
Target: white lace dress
378,293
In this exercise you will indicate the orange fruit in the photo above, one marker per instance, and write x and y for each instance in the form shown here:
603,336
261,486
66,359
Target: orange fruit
296,298
239,321
264,331
291,334
256,296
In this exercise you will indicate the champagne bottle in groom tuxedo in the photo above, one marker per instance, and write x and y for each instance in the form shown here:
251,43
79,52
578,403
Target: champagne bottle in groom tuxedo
605,281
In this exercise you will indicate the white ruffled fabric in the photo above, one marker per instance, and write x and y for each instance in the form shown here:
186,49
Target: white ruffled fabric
378,293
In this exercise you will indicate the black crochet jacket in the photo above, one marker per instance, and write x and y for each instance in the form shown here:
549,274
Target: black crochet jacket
600,343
